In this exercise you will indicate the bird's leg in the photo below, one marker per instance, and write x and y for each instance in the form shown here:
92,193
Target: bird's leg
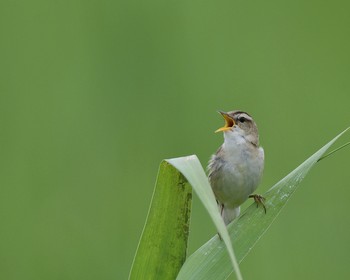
221,212
259,200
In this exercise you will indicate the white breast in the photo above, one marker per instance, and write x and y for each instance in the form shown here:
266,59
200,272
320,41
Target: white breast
239,170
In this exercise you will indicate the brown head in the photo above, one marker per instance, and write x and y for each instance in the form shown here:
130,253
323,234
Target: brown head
239,122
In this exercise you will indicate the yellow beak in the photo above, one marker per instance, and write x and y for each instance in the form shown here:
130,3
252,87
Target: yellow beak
229,122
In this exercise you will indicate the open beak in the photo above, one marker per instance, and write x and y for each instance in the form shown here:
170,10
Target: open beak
229,122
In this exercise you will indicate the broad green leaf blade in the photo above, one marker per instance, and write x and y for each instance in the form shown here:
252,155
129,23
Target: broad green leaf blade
192,169
211,261
163,244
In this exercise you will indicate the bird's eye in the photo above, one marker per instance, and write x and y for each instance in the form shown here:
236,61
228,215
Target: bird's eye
242,119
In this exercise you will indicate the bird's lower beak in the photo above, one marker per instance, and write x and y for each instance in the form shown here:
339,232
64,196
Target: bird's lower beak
229,122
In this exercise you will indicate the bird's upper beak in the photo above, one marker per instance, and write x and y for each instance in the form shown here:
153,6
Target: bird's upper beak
229,122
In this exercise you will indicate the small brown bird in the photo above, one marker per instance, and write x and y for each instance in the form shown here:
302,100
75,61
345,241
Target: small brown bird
236,168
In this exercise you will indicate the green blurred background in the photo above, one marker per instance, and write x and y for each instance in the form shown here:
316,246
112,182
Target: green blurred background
94,94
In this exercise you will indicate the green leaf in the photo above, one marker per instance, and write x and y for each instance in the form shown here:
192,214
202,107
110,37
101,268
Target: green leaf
192,169
334,151
211,260
163,244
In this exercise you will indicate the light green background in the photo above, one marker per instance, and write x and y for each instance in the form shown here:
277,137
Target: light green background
94,94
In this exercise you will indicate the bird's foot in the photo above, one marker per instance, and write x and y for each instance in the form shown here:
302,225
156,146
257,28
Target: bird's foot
259,200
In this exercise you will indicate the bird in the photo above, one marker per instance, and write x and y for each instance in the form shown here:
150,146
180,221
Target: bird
236,169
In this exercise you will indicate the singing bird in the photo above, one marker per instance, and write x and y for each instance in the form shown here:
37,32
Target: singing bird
235,170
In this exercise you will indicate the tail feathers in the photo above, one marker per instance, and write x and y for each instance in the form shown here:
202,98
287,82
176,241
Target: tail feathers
229,214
